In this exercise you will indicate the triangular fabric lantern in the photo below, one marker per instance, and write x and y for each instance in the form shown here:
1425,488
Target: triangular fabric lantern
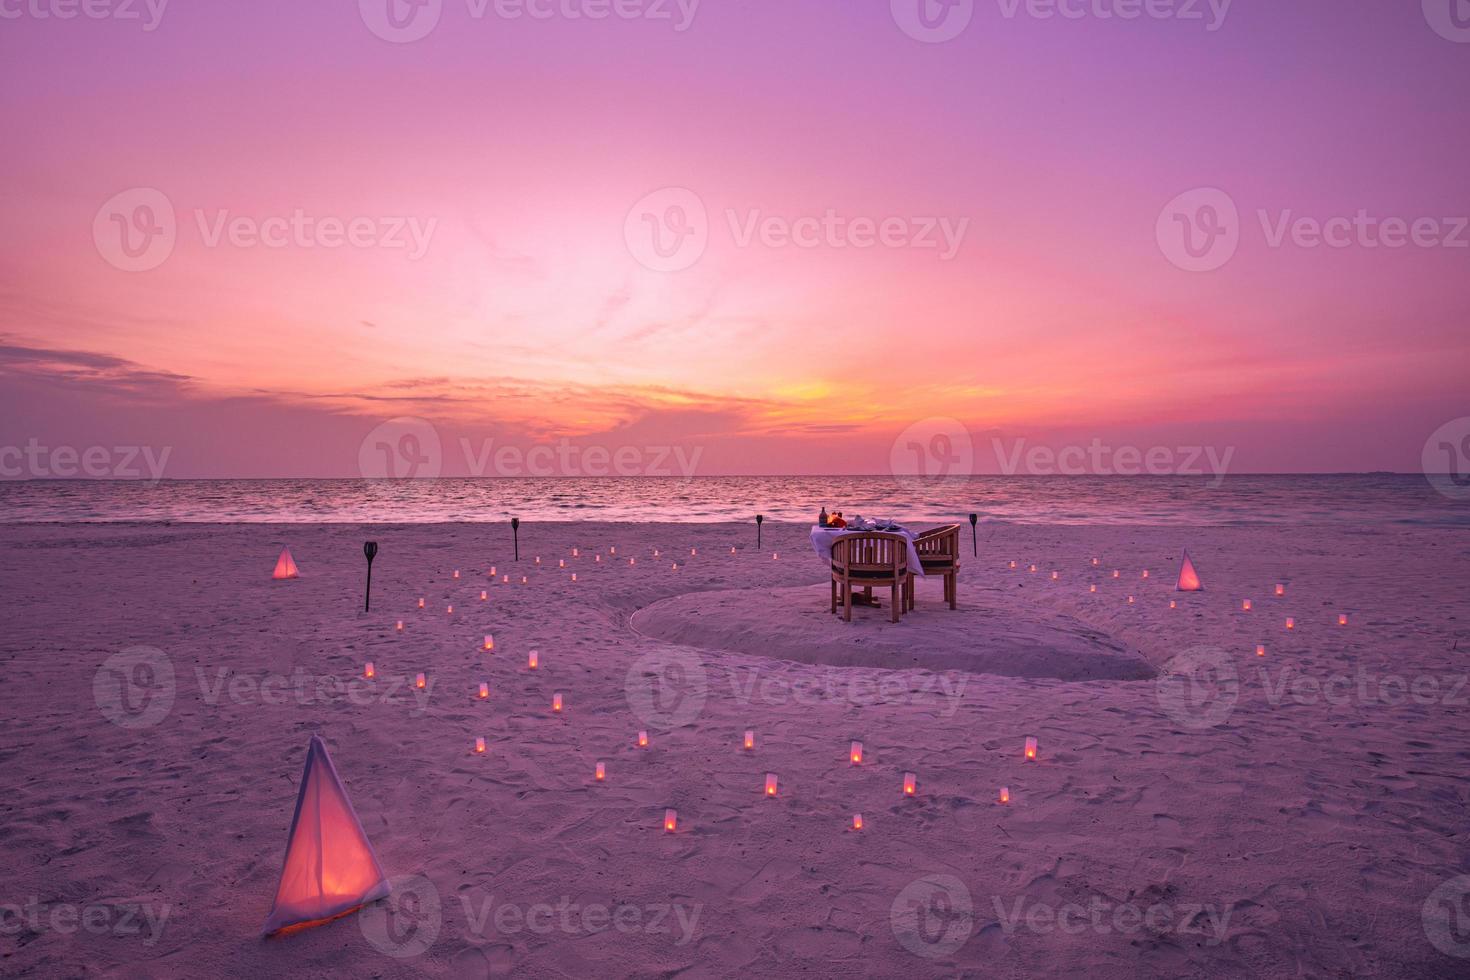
330,868
1188,577
285,567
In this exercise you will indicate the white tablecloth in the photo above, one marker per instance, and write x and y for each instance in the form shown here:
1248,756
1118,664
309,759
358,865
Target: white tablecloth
822,538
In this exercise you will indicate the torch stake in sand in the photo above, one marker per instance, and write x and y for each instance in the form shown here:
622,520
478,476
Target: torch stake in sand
515,535
369,548
974,542
759,520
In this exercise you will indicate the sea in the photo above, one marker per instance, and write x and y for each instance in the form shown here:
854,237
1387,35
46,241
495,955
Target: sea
1363,499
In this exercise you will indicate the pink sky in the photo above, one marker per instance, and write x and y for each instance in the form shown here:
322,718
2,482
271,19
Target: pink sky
518,148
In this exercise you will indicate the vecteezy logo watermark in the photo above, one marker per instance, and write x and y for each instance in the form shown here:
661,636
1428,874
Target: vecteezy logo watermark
406,923
37,462
1364,689
405,448
1446,459
1102,915
404,21
136,230
933,916
933,451
932,21
114,917
135,688
1198,688
1446,917
148,12
1099,459
1449,18
669,230
919,687
666,687
1199,230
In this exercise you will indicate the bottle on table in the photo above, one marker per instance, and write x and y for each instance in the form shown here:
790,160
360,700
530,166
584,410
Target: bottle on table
822,518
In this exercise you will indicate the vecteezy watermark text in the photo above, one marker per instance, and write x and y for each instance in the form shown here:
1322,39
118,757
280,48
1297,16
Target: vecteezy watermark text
1099,459
39,462
149,13
114,917
406,21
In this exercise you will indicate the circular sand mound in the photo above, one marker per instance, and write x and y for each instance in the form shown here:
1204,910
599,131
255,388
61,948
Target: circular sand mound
794,624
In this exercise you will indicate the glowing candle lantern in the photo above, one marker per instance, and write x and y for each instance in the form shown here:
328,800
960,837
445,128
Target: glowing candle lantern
538,559
693,551
613,550
420,681
1280,590
449,609
523,580
1189,580
1245,605
576,553
368,671
1030,748
505,580
1290,623
671,820
1094,563
492,571
1092,588
857,821
1130,600
643,740
1173,604
597,559
484,690
732,551
561,563
400,626
1012,564
1342,619
556,702
1031,569
533,660
775,556
855,753
1055,576
456,573
421,602
489,641
574,576
749,739
676,567
484,595
1117,574
1005,794
770,784
601,772
910,784
1145,573
1260,649
480,745
655,552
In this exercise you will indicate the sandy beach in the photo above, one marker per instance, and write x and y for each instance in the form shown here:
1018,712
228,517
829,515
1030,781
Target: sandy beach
1195,810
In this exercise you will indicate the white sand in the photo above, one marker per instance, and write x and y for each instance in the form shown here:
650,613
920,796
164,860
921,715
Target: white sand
1295,838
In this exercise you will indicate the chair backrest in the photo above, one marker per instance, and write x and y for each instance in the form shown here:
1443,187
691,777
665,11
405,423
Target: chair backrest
871,551
940,542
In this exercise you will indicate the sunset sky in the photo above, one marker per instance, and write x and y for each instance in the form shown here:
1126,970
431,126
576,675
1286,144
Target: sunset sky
528,155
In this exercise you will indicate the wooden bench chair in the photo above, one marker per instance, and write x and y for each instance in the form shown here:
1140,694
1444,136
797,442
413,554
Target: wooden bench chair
864,559
939,553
